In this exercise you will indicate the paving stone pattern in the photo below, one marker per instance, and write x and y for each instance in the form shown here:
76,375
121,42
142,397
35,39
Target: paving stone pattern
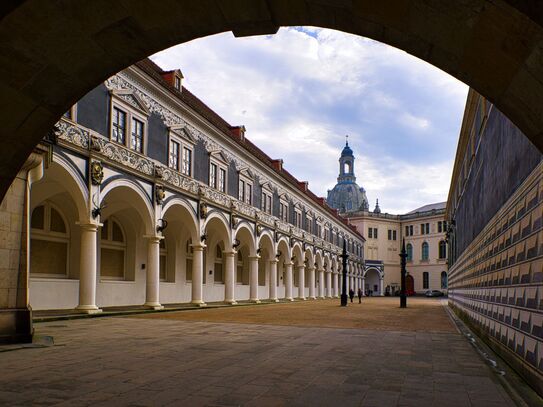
156,362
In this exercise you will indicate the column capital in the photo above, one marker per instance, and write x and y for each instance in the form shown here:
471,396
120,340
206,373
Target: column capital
154,238
198,247
91,226
309,268
229,253
288,263
274,261
257,257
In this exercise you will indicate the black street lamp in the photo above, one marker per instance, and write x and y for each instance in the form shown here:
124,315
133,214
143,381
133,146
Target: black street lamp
403,296
344,256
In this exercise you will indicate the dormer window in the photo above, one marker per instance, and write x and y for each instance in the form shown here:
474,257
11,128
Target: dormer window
177,82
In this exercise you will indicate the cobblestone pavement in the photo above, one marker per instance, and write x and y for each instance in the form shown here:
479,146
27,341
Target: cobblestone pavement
168,362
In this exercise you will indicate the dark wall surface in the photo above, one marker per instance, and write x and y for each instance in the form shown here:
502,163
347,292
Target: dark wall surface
504,159
157,143
201,162
93,110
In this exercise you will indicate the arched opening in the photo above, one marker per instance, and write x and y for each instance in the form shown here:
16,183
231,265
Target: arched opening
409,285
267,254
425,280
112,251
283,257
443,280
442,249
219,249
409,250
425,251
373,285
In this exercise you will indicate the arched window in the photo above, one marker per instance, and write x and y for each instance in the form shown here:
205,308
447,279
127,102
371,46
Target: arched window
188,262
444,280
442,249
425,250
112,251
409,250
425,280
218,275
49,241
163,260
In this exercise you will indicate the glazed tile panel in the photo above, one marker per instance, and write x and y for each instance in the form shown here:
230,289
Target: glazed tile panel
498,280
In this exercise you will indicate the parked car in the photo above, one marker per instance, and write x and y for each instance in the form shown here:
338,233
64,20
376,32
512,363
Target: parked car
434,293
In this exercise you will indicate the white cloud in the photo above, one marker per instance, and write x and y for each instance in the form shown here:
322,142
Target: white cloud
300,91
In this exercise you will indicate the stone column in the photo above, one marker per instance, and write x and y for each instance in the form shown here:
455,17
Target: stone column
230,276
288,281
334,280
301,282
381,287
329,284
273,280
87,269
152,284
253,279
197,274
321,283
363,286
311,282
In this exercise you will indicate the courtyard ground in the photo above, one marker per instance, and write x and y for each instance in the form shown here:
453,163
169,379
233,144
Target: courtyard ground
310,353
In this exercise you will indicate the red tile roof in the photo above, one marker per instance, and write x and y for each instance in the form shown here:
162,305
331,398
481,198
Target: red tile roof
157,73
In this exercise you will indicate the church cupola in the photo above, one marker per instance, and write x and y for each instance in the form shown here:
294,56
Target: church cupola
377,209
346,164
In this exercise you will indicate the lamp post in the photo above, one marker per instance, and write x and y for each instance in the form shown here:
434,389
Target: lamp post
344,257
403,296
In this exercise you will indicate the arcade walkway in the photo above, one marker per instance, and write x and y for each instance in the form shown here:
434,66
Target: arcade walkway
271,355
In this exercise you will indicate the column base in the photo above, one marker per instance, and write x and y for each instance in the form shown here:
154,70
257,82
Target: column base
273,300
198,303
255,300
289,299
88,309
322,298
302,298
231,302
312,298
153,305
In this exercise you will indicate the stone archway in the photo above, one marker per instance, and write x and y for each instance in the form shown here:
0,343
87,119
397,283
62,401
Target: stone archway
493,46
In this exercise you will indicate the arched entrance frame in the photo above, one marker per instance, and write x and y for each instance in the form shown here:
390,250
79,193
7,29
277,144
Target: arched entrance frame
246,261
266,264
461,38
298,259
370,280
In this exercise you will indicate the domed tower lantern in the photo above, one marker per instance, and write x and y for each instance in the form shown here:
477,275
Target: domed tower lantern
347,196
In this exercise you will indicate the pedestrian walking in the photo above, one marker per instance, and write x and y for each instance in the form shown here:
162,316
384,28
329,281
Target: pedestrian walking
351,294
359,296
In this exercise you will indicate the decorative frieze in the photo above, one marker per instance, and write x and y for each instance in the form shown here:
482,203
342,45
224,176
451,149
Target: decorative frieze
214,196
244,209
124,156
73,134
176,179
265,218
282,226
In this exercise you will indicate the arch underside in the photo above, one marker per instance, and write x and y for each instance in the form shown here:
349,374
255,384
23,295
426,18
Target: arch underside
494,47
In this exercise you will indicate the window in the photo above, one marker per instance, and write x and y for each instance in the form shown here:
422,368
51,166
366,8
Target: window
409,250
239,267
439,227
136,139
425,250
177,83
213,175
442,249
266,202
375,233
175,148
444,226
370,233
186,168
245,192
180,151
409,230
309,224
71,114
425,280
394,235
112,251
283,211
162,260
424,228
222,180
118,130
443,280
298,218
128,122
218,275
49,242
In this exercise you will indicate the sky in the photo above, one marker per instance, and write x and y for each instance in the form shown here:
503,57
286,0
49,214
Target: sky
300,91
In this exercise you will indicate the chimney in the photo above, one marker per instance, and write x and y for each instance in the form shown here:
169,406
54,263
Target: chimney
174,78
304,185
238,132
277,164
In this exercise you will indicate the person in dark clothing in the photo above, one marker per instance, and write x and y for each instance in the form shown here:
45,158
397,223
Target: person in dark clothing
359,296
351,294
